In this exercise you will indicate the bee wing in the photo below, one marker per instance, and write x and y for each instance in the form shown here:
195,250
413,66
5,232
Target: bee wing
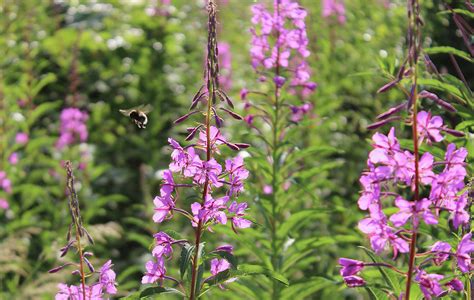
125,112
145,108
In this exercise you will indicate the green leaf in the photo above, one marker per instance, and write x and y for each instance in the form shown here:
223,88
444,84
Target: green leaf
245,270
375,293
42,109
442,86
390,278
186,253
151,291
302,290
259,270
460,11
296,220
44,81
449,50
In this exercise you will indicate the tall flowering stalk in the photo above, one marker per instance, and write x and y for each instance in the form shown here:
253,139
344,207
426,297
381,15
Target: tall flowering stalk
279,52
436,187
217,184
76,233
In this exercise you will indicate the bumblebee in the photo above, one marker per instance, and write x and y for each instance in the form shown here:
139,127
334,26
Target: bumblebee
138,114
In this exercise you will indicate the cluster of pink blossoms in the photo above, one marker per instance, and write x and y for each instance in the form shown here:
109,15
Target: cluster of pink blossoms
194,171
334,8
6,186
389,167
225,64
286,23
105,285
72,127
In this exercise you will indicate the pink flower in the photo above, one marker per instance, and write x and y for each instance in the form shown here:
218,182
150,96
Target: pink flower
455,285
458,213
21,138
413,210
334,8
5,183
4,204
208,171
216,139
441,251
384,147
164,204
163,245
354,281
429,284
350,266
267,189
219,265
154,271
243,93
465,247
107,278
168,182
13,158
225,248
428,127
66,292
212,210
380,234
72,127
225,64
237,174
238,209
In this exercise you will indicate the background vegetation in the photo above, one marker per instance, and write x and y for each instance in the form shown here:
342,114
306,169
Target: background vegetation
104,56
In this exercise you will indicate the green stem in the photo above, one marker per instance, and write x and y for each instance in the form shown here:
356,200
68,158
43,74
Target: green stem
275,171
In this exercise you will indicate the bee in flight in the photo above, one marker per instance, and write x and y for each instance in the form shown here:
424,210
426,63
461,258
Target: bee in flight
138,114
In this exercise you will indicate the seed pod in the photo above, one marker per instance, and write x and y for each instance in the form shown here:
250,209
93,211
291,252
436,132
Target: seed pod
392,111
182,118
383,122
54,270
232,114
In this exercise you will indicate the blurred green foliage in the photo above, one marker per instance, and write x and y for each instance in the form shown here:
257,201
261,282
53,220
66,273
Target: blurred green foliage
121,55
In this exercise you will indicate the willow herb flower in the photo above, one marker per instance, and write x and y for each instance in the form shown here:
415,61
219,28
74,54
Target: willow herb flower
225,62
72,128
420,185
463,253
106,283
350,266
275,108
289,50
21,138
334,8
200,168
5,183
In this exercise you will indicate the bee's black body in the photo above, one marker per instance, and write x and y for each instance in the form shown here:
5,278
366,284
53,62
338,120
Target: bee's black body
138,114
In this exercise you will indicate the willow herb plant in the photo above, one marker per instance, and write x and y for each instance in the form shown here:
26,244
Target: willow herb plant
76,233
406,181
197,169
279,115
